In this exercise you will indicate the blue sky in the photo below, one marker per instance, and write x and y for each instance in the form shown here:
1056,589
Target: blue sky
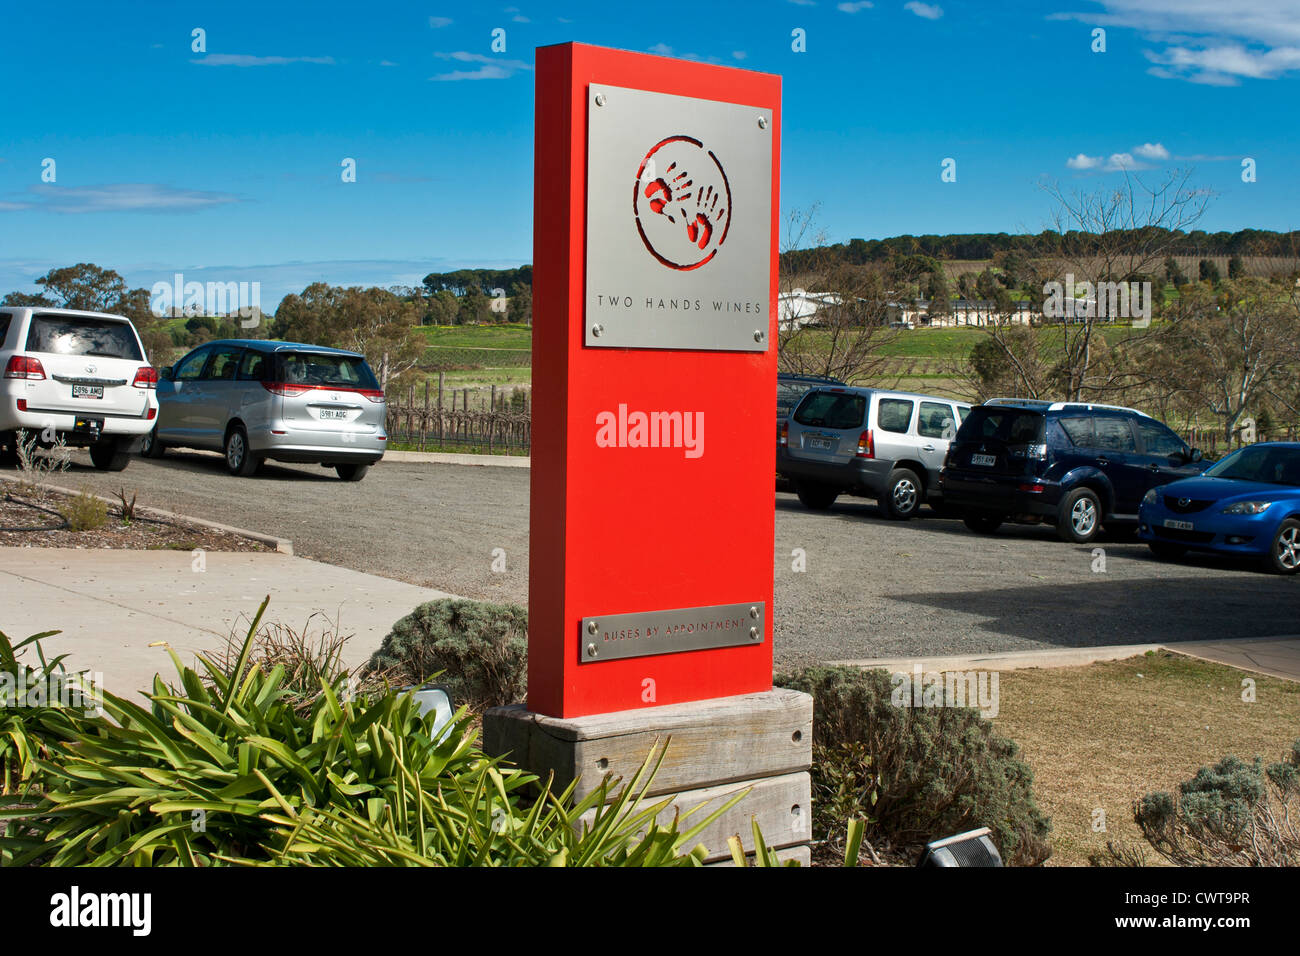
225,164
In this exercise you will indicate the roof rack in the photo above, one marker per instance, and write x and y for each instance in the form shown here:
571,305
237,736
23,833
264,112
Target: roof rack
1062,406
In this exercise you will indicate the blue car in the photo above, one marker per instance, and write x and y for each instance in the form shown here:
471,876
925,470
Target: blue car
1247,504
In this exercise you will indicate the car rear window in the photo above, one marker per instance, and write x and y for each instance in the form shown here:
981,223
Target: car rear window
1113,434
5,319
1011,426
323,368
832,410
78,335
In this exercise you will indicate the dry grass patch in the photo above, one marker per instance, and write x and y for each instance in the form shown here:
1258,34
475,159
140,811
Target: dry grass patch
1102,735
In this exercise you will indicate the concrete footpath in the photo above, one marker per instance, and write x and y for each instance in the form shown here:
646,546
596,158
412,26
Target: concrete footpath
112,604
1275,656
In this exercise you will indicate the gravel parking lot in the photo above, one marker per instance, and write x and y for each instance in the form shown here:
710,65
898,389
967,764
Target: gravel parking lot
872,588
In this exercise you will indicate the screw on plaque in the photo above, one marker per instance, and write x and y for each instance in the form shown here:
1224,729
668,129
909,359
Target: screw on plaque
592,627
758,336
753,612
600,99
753,633
597,329
762,122
591,650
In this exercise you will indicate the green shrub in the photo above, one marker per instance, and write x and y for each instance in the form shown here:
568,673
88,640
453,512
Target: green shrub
85,512
226,770
914,774
479,649
1232,814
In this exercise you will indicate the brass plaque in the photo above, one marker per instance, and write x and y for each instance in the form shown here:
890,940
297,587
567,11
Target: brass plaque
612,637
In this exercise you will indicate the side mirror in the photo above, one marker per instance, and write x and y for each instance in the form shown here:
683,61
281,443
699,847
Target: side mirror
1196,455
165,373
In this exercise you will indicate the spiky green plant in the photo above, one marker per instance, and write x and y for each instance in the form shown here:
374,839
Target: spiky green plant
224,769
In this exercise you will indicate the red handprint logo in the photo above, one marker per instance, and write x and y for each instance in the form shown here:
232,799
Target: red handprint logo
682,203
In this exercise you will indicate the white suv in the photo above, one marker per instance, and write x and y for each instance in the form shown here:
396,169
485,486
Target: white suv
77,376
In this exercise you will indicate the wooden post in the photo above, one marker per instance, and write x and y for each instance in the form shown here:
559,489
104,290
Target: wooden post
440,379
424,422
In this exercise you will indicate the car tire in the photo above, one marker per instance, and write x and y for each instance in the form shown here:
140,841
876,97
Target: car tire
151,447
352,472
1166,551
109,455
1284,553
982,524
240,460
1079,516
902,498
815,495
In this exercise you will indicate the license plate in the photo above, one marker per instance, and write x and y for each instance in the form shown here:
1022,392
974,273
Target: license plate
823,443
88,391
1179,525
332,413
988,461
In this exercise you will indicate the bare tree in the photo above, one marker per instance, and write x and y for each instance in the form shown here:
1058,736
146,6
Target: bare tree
845,336
1227,349
1110,235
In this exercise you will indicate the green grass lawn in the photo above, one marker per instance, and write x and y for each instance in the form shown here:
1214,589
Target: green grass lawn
504,336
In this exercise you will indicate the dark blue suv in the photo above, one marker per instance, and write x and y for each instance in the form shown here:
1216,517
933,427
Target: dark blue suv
1074,465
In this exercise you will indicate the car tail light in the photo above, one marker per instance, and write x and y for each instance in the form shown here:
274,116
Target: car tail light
22,404
1036,452
866,445
146,376
374,394
1033,489
783,435
284,388
151,414
23,366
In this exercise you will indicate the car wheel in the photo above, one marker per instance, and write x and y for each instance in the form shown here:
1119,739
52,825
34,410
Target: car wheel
109,455
239,459
1079,517
982,524
1166,551
151,447
902,498
1284,554
816,495
352,472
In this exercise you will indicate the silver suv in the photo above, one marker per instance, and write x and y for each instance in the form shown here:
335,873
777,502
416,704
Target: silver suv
77,377
253,400
865,441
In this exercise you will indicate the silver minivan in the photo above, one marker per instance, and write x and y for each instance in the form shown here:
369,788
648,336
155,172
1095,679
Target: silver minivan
867,441
253,400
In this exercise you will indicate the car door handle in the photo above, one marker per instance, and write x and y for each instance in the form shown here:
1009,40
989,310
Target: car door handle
927,448
1103,462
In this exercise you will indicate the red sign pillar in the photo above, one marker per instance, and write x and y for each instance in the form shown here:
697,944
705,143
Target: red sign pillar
652,464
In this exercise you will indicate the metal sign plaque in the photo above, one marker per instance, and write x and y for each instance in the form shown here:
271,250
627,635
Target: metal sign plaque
679,221
614,637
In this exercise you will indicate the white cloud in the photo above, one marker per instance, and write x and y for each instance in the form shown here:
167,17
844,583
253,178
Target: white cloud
119,197
244,59
491,68
1083,161
854,7
662,49
1208,41
438,23
926,11
518,17
1151,151
736,54
804,3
